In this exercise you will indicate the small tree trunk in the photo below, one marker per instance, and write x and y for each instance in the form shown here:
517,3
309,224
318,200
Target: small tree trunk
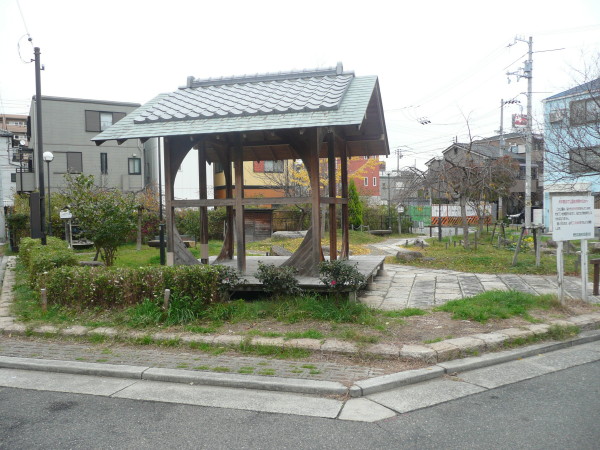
465,223
139,230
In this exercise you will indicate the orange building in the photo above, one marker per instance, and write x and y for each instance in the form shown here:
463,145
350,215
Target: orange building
365,175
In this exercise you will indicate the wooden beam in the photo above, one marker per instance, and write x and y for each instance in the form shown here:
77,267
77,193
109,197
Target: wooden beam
238,161
332,194
199,203
203,196
334,201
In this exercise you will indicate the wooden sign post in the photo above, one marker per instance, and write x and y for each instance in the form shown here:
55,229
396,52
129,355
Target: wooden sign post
572,219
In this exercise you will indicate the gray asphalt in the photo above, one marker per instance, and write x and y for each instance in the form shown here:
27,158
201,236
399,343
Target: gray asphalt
554,411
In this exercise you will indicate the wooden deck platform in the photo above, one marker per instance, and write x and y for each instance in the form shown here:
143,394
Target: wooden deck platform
368,265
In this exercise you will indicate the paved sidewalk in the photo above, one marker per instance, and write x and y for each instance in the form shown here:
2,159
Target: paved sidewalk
407,287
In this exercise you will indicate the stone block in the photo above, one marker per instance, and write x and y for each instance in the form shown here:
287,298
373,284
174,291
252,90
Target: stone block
467,345
271,342
383,349
46,329
491,340
538,328
227,339
75,330
308,344
337,346
445,351
419,352
516,333
104,331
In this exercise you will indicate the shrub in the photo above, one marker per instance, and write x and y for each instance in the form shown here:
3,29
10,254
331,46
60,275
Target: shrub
278,281
85,287
39,258
339,276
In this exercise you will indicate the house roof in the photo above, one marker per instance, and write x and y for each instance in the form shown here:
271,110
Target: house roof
309,98
5,133
485,150
589,86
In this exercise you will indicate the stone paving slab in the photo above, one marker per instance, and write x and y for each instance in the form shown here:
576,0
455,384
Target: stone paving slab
425,394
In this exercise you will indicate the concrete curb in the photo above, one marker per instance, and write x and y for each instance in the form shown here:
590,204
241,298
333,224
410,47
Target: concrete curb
294,385
392,381
300,386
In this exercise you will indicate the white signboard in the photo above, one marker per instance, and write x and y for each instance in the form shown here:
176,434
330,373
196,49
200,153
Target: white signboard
65,215
572,217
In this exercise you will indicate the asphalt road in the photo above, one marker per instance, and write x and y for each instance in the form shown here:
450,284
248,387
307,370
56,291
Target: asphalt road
557,410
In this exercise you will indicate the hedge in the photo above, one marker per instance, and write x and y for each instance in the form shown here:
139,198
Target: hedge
88,287
39,258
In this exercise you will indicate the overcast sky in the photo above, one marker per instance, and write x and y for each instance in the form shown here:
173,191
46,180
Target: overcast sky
441,60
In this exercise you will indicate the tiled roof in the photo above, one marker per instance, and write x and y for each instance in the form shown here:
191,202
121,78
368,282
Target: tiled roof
590,86
260,102
318,93
5,133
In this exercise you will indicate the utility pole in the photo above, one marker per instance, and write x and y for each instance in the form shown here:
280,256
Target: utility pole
527,73
40,144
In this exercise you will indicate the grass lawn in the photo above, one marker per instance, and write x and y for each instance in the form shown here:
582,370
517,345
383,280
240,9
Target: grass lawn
487,258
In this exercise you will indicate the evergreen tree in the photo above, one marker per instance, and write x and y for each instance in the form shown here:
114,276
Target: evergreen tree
355,206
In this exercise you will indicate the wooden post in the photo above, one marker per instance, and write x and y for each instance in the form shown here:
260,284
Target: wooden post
44,298
560,269
166,300
203,209
514,261
313,157
169,200
345,217
584,270
229,194
332,194
138,244
239,206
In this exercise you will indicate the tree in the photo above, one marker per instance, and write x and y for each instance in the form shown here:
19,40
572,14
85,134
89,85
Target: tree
355,206
471,178
107,216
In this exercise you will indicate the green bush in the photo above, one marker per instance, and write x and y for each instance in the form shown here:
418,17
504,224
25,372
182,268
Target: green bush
39,258
278,281
88,287
339,276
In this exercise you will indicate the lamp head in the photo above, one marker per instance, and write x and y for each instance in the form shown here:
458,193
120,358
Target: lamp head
48,156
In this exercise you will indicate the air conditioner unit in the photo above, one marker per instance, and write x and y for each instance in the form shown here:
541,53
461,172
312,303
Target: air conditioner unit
557,115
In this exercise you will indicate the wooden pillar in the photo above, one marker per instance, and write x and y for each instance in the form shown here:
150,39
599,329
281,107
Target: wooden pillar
169,200
314,146
239,207
332,195
345,217
203,209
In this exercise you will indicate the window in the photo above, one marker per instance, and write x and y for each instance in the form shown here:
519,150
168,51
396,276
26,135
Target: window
584,160
585,111
101,120
135,166
274,166
103,163
366,181
219,167
374,181
106,120
74,162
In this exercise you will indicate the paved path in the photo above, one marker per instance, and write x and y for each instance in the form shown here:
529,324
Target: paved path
414,287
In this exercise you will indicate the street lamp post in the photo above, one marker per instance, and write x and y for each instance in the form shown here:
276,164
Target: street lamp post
48,157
